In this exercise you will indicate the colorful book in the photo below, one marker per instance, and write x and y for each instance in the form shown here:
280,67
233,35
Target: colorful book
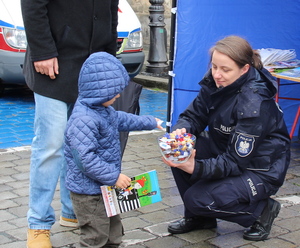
295,72
143,190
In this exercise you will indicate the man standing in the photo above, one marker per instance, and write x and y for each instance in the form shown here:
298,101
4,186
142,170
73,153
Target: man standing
61,35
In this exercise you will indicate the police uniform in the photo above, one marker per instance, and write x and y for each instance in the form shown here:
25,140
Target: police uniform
245,158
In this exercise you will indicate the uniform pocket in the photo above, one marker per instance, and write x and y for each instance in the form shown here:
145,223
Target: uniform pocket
225,195
261,163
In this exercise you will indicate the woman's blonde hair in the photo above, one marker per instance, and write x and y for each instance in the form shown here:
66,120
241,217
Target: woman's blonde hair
239,50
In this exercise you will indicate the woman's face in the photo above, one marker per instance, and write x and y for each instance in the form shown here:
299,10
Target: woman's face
224,70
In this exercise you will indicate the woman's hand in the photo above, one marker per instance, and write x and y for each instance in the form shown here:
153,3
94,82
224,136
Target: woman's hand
179,131
187,166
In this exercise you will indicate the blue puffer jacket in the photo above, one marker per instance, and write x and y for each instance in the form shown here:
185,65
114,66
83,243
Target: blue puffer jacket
92,147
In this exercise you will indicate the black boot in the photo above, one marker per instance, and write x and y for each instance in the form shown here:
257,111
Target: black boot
185,225
261,228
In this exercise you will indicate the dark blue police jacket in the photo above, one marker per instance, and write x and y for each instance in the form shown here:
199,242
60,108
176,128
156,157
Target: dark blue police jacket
246,128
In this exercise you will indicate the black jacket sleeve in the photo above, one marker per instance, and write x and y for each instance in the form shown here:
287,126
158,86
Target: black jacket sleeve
37,28
112,47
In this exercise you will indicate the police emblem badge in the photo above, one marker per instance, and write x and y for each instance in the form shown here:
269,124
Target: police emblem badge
244,145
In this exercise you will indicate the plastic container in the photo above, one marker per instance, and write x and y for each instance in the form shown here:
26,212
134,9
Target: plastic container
176,148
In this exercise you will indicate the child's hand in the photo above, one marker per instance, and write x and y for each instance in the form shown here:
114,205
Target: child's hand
159,122
123,181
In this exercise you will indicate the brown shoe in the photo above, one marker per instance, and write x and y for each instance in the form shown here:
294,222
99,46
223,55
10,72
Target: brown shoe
38,238
68,222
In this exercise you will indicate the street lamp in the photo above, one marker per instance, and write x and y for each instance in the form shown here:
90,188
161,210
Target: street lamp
157,56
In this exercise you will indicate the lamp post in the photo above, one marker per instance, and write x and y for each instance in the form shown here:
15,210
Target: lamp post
157,56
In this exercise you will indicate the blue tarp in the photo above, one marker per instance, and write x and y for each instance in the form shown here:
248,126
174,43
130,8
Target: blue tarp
200,23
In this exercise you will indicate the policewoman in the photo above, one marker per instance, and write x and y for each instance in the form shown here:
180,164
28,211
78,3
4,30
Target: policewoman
243,160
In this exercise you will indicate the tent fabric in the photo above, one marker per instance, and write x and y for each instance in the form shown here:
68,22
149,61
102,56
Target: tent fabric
199,24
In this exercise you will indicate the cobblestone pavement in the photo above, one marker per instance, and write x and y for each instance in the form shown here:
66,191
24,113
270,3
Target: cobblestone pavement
147,226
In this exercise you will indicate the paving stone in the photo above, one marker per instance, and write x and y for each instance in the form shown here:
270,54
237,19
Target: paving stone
22,164
177,211
134,223
172,200
19,184
4,187
225,227
18,233
21,191
128,214
14,244
4,238
5,215
275,242
5,226
8,157
19,211
167,183
147,226
9,171
6,179
198,236
160,229
152,208
136,237
21,176
166,192
293,237
64,238
4,204
19,222
230,240
5,164
170,241
158,216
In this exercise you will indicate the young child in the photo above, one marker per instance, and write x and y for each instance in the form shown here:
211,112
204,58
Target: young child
92,147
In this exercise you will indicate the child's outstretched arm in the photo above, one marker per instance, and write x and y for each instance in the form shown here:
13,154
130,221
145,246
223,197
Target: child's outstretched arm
123,181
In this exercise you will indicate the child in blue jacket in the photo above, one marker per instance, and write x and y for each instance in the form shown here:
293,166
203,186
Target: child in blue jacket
92,147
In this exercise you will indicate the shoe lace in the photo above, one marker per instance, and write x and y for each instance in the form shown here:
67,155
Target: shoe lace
40,232
258,226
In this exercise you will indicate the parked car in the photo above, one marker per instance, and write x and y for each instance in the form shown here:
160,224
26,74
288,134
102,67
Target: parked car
13,41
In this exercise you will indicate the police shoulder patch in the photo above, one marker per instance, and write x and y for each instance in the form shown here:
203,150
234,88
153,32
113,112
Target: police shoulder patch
244,145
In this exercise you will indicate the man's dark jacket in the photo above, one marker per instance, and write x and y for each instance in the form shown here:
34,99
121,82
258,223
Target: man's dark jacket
70,30
246,128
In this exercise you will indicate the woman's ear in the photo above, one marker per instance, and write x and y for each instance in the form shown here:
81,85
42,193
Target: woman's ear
245,69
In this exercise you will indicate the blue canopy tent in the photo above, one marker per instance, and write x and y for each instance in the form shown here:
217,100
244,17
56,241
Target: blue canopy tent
198,24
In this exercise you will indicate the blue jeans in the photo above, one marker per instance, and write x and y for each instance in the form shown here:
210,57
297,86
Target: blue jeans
48,163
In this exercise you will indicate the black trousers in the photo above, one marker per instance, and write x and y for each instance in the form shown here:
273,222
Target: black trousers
240,199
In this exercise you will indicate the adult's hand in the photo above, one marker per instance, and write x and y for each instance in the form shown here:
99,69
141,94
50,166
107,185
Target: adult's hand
187,166
48,67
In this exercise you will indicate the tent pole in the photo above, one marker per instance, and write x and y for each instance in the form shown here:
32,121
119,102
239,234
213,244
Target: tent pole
171,58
